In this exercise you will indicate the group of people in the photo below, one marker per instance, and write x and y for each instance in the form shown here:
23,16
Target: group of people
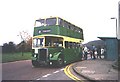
94,52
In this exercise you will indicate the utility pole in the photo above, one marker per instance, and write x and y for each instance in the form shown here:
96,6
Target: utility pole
116,25
118,31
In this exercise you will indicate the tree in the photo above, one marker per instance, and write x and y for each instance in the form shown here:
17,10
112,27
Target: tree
9,47
5,48
28,46
12,47
25,37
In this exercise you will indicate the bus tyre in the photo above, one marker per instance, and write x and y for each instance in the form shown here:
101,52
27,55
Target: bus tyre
60,62
35,63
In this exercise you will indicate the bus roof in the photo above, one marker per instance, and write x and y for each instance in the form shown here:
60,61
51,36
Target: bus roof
57,17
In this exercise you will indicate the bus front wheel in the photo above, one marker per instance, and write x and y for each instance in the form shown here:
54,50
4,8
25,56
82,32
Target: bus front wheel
35,63
60,61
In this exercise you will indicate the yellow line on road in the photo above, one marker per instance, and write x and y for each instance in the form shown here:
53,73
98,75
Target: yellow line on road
69,74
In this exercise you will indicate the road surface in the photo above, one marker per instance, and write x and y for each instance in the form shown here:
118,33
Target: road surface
23,70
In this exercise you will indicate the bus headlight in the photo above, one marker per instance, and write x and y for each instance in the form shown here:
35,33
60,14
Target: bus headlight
50,55
35,55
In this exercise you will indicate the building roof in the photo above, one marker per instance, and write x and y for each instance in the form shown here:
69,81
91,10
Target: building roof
103,38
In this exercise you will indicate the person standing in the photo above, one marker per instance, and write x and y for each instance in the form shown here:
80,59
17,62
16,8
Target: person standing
85,52
99,52
102,52
93,52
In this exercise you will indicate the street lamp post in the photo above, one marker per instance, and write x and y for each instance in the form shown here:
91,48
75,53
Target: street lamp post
116,24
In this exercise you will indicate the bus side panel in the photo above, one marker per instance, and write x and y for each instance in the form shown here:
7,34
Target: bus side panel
46,30
57,30
67,32
79,53
71,55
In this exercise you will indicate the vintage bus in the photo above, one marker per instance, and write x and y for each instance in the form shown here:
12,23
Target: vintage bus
56,42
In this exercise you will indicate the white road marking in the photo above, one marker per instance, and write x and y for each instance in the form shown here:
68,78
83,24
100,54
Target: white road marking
38,79
46,75
81,67
59,70
88,71
56,71
62,69
50,74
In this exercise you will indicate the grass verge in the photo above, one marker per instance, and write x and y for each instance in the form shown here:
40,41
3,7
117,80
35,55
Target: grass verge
10,57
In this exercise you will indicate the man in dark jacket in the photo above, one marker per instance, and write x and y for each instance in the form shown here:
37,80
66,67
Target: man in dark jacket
99,52
93,52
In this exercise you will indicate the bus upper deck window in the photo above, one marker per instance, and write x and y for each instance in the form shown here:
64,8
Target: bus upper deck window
61,22
51,21
39,22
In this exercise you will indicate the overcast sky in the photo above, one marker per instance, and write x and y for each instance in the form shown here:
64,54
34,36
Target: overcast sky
93,16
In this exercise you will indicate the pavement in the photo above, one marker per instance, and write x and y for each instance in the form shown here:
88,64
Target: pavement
97,70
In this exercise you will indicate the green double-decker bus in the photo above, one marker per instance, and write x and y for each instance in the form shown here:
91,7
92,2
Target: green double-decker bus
56,42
